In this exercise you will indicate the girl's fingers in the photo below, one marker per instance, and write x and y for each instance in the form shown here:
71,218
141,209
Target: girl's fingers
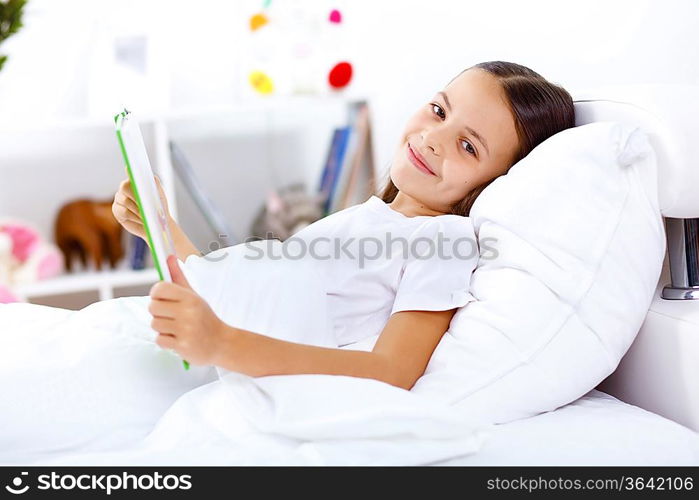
123,213
125,187
161,309
163,326
165,341
133,227
127,202
125,207
165,291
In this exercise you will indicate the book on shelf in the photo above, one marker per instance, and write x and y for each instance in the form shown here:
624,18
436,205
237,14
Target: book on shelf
325,178
358,179
348,177
139,249
333,163
214,216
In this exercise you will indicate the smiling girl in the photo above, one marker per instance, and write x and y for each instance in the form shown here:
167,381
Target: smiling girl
485,120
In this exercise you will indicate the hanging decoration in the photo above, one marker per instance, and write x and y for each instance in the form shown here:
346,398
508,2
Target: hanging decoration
257,21
340,75
297,48
335,16
261,82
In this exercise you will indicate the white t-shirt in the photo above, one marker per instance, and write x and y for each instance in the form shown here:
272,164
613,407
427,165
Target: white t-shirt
375,261
334,282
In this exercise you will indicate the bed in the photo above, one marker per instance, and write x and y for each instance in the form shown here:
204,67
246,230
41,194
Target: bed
597,429
647,411
130,403
659,372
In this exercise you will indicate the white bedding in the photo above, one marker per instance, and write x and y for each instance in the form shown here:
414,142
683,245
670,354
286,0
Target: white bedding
90,387
597,429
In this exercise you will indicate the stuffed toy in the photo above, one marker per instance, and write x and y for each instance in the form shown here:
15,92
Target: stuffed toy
88,228
286,212
24,257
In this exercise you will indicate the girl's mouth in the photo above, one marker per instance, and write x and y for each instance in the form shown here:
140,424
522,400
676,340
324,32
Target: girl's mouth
417,163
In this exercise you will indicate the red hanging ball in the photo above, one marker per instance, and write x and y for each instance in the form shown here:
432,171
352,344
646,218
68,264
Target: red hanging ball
340,75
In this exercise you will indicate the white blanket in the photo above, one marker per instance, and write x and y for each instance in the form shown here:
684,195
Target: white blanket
92,387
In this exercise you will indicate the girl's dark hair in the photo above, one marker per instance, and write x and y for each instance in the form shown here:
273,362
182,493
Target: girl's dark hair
540,109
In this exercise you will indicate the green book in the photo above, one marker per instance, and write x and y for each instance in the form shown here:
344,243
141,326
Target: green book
145,191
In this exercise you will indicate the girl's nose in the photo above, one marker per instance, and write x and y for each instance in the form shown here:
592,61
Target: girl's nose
431,141
434,137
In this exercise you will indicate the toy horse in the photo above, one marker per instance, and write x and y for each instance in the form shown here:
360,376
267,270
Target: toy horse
88,228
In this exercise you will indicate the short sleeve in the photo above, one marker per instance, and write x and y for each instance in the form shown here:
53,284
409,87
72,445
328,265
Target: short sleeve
443,254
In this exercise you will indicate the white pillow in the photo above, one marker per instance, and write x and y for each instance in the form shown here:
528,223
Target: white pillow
572,243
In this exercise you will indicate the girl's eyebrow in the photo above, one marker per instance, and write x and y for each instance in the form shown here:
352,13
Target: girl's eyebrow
468,129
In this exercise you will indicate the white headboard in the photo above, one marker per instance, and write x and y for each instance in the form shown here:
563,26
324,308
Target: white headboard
660,372
668,114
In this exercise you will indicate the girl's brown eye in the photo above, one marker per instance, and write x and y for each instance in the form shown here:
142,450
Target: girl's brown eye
471,150
439,107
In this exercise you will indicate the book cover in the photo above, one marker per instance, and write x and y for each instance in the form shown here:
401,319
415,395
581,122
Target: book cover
145,191
345,166
211,212
138,252
326,179
336,156
365,184
356,188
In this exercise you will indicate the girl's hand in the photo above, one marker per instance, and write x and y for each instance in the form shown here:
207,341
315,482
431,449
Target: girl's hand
184,320
126,212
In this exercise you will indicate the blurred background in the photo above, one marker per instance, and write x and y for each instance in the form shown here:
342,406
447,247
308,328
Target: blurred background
257,97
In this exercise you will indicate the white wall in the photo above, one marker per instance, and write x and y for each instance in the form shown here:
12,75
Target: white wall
199,51
402,50
412,48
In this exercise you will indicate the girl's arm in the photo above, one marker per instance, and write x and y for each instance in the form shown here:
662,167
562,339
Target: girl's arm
183,245
187,324
399,357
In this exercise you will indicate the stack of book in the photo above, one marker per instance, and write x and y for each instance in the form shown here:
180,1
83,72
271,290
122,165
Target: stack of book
348,175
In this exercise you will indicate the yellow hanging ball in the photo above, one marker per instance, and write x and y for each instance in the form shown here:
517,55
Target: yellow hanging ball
261,82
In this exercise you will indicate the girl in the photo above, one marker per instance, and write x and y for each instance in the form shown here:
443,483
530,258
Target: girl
485,120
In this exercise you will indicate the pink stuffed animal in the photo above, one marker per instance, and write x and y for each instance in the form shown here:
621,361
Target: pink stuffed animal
24,257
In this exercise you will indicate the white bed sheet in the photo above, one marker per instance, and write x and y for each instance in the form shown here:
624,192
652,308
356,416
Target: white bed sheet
597,429
91,387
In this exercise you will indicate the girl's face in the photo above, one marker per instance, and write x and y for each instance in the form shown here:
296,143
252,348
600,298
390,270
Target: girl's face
465,135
